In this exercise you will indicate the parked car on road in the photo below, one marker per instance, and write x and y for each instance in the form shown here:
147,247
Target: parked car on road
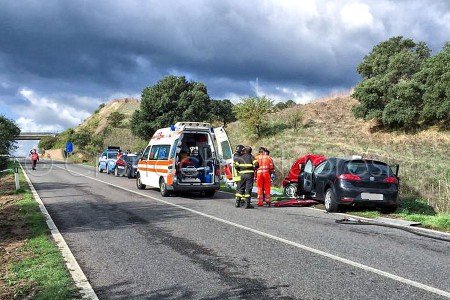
107,160
341,182
290,182
127,165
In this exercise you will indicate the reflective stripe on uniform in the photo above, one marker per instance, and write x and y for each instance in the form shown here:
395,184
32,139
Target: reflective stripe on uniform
246,172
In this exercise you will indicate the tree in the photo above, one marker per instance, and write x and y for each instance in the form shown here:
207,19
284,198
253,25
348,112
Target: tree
252,112
222,110
171,99
435,77
389,91
47,142
8,132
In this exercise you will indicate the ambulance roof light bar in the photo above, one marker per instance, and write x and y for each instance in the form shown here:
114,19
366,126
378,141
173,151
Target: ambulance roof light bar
193,124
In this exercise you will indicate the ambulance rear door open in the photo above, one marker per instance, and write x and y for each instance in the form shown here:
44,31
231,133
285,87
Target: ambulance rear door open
225,153
205,169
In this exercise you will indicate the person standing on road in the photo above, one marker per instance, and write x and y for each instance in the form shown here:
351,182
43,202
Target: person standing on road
265,168
34,158
246,169
236,176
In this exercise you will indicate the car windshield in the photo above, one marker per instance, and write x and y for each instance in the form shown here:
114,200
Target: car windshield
372,168
112,155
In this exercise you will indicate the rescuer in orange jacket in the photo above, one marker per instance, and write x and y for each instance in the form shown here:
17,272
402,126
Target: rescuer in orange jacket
265,168
34,158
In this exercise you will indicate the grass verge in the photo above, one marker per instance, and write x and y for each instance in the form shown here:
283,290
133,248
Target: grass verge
34,265
415,210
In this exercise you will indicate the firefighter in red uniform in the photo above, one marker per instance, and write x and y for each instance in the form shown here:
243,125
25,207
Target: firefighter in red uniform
246,168
265,168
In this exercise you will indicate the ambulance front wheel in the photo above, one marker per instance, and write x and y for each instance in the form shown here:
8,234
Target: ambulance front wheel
139,183
163,188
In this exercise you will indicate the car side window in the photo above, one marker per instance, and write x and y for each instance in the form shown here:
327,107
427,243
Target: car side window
319,168
308,167
145,154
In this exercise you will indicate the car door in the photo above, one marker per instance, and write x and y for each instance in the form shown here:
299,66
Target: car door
224,151
142,165
308,178
320,178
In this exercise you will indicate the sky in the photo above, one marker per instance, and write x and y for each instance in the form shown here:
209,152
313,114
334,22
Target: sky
59,60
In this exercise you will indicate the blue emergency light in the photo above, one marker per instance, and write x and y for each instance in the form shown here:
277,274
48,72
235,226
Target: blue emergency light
172,127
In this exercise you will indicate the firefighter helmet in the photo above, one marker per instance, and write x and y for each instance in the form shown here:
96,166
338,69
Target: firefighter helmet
239,148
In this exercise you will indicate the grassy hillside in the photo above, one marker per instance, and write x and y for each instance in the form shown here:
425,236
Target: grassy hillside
328,127
102,131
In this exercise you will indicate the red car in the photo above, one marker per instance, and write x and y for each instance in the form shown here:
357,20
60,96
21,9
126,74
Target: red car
290,183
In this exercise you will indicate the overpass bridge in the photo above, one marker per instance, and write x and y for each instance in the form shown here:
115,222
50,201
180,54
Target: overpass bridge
33,136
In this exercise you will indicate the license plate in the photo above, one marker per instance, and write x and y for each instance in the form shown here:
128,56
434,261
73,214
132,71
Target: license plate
371,196
120,167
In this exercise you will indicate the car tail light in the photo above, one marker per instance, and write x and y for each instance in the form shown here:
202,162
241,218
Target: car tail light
217,171
391,179
349,177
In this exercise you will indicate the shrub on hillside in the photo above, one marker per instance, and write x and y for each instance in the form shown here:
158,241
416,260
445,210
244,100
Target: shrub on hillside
47,142
115,118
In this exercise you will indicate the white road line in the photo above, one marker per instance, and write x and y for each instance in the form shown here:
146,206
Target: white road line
86,290
285,241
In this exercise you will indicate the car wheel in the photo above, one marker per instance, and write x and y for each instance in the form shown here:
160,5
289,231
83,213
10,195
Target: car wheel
163,188
209,193
129,173
290,190
389,209
100,168
139,183
331,204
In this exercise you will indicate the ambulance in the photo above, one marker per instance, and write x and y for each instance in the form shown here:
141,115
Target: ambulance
185,157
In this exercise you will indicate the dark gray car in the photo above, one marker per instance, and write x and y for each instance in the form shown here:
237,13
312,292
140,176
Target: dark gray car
340,182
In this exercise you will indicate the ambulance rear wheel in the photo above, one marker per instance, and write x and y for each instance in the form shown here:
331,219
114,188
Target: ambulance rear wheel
163,188
139,184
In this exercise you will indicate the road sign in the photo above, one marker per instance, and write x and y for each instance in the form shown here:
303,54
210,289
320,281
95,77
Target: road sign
69,147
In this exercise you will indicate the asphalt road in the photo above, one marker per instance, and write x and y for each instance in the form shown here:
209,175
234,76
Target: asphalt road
143,246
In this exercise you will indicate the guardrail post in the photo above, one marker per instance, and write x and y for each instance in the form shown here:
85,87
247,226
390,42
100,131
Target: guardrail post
16,177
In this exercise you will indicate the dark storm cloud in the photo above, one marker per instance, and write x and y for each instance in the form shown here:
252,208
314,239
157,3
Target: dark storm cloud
74,55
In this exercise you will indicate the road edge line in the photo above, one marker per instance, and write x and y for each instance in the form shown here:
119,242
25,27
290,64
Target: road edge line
346,261
78,276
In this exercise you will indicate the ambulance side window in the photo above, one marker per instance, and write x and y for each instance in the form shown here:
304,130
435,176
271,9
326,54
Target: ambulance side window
154,153
145,154
163,152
